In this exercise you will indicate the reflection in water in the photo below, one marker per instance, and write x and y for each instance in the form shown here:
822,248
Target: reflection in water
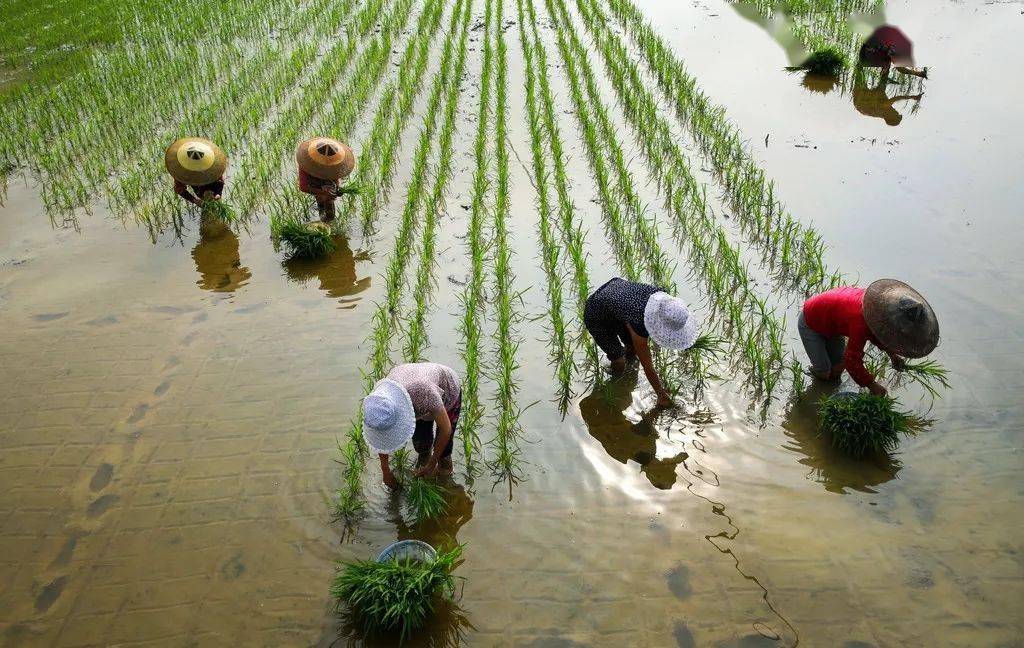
820,83
827,465
441,531
603,412
336,272
875,102
217,260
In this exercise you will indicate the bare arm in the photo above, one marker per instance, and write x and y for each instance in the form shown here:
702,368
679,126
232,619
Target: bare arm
385,469
643,353
444,433
182,190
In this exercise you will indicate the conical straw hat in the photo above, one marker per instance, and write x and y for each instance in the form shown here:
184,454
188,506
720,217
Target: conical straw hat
325,158
901,318
195,161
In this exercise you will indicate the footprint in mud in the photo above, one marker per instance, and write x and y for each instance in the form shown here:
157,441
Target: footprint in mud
233,568
138,413
103,321
201,317
101,477
162,388
749,641
50,593
172,361
678,579
684,638
245,310
100,505
49,317
68,550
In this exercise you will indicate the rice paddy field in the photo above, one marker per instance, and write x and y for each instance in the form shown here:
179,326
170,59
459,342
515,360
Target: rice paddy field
181,456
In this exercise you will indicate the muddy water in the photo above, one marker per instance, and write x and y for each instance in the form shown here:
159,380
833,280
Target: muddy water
169,412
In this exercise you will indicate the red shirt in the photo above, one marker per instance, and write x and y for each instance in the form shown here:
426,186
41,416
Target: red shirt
840,311
312,185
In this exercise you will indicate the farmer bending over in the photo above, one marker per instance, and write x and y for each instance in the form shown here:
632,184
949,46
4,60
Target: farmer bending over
621,315
323,163
197,166
406,405
888,45
836,324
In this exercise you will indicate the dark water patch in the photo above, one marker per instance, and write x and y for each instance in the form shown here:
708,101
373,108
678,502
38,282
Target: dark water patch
101,505
858,644
49,317
920,578
50,593
172,361
753,640
106,320
173,310
200,317
678,579
684,638
102,476
553,642
63,558
138,413
162,388
233,568
245,310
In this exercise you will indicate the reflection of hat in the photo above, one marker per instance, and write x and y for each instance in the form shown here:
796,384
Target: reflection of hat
669,321
388,417
325,158
195,161
901,318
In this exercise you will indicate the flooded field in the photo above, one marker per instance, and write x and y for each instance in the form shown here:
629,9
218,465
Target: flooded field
175,401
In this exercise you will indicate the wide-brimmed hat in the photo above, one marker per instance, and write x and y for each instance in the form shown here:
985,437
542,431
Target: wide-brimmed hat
195,161
388,417
325,158
900,318
669,321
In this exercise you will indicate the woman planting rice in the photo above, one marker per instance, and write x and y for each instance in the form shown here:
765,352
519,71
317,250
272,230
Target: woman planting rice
621,315
406,405
197,166
836,324
323,163
884,47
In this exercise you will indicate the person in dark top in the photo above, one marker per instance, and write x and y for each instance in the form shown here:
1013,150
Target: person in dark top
884,47
621,315
323,163
197,166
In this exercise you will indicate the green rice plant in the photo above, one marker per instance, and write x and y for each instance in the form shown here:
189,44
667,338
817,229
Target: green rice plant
426,499
865,424
395,595
827,61
929,374
220,210
302,240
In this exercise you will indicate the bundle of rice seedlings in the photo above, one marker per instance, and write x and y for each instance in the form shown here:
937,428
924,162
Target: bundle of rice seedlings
827,61
219,210
304,240
426,499
351,189
395,595
864,424
929,374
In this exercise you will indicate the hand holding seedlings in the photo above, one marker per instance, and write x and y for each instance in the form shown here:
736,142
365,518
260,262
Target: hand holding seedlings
197,166
623,315
323,162
836,324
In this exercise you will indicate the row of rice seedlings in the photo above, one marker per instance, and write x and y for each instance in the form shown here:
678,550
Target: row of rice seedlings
417,339
753,328
794,250
560,342
165,84
345,107
473,298
350,500
507,461
264,158
229,112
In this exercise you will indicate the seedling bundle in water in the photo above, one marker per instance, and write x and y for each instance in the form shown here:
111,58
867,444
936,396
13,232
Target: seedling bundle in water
863,424
827,61
303,240
426,498
397,594
219,210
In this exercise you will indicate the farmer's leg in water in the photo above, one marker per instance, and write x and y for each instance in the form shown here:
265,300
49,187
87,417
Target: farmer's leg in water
325,206
643,352
606,333
439,459
826,354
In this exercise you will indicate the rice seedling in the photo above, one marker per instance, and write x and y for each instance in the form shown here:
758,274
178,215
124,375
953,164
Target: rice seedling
426,499
220,210
864,424
303,240
827,61
928,374
395,595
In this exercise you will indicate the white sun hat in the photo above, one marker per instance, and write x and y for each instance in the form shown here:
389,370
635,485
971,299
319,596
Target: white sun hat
388,417
669,321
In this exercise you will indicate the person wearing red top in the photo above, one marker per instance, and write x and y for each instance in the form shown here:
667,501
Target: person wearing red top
325,191
836,324
211,191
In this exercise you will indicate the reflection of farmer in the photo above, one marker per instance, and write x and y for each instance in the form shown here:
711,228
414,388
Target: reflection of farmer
443,529
323,163
407,405
197,166
886,46
337,273
621,315
876,103
836,324
623,440
217,259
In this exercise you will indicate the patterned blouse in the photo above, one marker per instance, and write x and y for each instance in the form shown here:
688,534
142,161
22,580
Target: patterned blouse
431,386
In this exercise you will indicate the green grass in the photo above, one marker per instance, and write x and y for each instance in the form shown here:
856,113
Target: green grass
301,239
426,499
866,424
827,61
395,595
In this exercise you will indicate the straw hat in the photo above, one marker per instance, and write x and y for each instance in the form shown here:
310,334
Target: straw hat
901,318
669,322
325,158
388,417
195,161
